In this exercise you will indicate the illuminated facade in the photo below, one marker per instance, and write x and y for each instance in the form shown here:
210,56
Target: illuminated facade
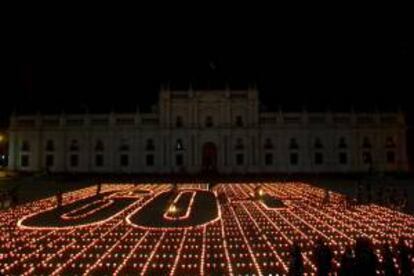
213,131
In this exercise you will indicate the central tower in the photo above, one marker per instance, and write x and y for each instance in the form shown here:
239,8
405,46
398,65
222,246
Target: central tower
204,121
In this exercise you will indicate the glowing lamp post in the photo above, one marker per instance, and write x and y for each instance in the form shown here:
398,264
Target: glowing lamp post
259,193
172,210
2,150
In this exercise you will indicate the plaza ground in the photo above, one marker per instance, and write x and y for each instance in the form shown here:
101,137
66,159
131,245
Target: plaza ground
35,187
220,229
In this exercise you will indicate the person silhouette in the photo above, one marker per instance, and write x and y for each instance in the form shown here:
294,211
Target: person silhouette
347,263
366,262
59,200
14,196
296,267
98,188
404,257
326,198
403,201
388,263
323,258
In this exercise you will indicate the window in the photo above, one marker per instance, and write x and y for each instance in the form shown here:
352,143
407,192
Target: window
318,144
293,144
294,158
239,121
150,145
25,146
209,121
239,144
268,144
24,160
342,143
343,158
179,160
74,145
390,157
389,144
99,160
99,145
179,122
124,145
124,160
367,157
50,160
149,159
318,158
50,145
366,143
268,159
179,145
74,160
239,159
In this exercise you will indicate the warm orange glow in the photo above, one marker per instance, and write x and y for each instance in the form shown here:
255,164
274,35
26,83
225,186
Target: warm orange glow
247,238
172,209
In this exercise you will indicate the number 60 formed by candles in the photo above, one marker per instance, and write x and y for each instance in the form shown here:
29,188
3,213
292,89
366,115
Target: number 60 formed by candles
166,218
167,214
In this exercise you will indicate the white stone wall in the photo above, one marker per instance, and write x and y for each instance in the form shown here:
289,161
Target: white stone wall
193,107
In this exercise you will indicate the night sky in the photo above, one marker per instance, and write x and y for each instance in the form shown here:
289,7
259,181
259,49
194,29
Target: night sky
332,69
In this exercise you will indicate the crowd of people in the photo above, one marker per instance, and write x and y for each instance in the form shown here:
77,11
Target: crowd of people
360,260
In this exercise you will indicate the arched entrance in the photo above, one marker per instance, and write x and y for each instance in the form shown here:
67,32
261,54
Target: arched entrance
209,162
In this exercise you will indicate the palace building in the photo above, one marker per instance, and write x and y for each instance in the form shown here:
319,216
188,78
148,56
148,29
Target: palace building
221,131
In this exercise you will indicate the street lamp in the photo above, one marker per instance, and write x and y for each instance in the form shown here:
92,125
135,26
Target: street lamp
2,153
172,209
259,192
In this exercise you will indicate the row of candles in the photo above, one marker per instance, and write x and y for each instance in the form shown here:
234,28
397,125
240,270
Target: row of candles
247,237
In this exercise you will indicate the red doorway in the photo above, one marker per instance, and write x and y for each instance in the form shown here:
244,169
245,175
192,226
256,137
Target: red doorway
209,161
